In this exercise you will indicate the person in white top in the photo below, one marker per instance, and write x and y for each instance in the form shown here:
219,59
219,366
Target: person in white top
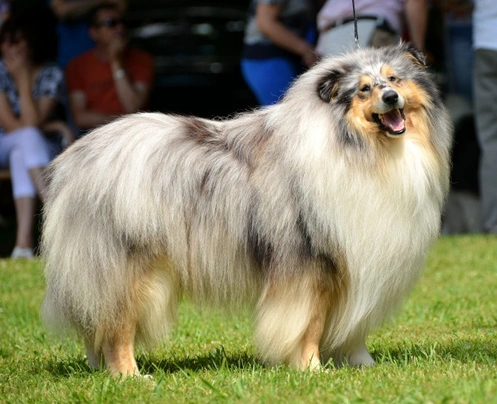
485,106
380,22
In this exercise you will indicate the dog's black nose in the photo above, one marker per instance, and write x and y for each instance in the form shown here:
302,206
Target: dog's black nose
390,97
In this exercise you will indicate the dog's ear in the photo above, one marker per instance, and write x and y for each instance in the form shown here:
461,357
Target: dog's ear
329,85
414,54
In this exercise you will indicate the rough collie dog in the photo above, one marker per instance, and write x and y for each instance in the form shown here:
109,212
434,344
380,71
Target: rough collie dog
319,210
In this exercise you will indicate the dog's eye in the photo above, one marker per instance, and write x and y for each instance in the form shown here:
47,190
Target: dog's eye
392,78
365,88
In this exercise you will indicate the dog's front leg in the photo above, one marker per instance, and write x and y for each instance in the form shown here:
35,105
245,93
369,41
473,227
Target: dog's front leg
310,355
359,355
291,318
118,351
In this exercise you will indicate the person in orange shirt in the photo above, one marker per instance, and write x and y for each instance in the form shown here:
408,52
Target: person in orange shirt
112,79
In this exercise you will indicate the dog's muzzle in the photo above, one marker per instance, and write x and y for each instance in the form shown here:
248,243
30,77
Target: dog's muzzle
391,118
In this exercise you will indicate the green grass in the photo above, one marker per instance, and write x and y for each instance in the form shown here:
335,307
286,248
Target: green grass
442,348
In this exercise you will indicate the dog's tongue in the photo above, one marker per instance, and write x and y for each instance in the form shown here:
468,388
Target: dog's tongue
394,121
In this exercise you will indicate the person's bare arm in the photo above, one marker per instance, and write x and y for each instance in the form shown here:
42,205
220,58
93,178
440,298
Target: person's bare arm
267,17
8,120
132,96
33,113
29,115
417,21
73,10
84,117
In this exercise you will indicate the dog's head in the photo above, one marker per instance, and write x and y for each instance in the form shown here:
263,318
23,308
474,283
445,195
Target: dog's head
377,89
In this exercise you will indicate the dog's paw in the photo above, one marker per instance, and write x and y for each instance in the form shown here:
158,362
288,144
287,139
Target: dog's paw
361,359
146,379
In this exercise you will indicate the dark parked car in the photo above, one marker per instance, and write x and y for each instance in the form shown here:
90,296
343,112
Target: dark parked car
197,47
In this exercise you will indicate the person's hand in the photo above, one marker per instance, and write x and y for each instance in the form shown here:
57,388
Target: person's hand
17,63
68,135
117,47
310,57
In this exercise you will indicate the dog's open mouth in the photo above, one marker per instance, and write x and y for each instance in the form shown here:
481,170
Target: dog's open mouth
393,122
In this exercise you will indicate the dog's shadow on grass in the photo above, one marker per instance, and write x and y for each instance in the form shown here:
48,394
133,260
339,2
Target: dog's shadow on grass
215,360
73,367
460,350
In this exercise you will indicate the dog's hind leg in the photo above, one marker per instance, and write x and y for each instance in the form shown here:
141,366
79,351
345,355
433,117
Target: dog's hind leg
93,354
148,315
116,336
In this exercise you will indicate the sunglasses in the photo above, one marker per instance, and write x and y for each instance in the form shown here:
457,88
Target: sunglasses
110,23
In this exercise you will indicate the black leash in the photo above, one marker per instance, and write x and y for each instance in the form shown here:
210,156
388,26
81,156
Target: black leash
356,35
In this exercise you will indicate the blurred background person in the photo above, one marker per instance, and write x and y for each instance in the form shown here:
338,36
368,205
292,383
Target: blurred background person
379,23
72,28
30,89
4,10
111,79
459,45
72,36
463,208
278,46
485,103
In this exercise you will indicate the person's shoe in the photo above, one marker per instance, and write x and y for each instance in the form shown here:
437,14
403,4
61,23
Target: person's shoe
22,253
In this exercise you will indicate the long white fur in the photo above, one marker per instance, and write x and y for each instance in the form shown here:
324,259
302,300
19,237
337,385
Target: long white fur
125,207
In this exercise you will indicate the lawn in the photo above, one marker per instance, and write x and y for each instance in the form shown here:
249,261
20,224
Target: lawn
442,348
